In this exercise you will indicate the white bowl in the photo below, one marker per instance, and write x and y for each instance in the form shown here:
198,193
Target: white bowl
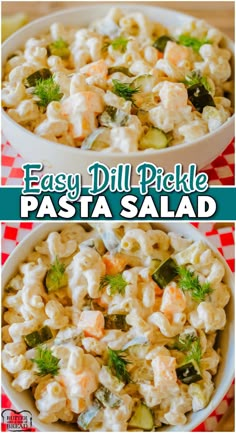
61,158
225,373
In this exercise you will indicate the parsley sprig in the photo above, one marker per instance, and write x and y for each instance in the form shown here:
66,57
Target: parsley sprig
124,90
115,283
117,362
46,92
195,77
188,282
46,362
194,43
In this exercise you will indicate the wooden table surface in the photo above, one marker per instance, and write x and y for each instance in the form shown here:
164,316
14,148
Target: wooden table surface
219,14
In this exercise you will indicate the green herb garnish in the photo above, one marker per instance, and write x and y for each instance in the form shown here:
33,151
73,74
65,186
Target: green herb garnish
46,362
56,278
183,343
115,283
117,363
59,48
195,77
119,44
58,269
188,282
124,90
195,352
190,344
194,43
47,91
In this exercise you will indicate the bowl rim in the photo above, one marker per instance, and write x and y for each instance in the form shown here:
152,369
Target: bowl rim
42,230
93,153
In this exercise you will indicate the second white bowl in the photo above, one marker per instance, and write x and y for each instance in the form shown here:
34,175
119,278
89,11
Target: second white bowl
61,158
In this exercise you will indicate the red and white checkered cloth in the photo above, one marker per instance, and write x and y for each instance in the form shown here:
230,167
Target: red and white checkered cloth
220,171
223,239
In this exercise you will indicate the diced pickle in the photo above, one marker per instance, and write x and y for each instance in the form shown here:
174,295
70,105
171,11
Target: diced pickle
189,373
56,278
116,321
85,418
41,74
107,398
165,273
160,43
59,48
200,97
142,418
38,337
153,139
121,69
93,140
144,83
113,116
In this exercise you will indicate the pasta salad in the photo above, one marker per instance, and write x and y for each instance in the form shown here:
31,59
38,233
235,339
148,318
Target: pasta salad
112,326
123,84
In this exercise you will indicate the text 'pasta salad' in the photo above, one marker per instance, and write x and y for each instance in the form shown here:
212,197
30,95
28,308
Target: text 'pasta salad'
112,326
123,84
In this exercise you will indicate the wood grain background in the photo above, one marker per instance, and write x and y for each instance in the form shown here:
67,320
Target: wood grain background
218,13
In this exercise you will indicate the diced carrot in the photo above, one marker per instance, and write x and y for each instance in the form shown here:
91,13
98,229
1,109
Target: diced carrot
115,263
158,290
81,405
160,55
164,370
173,301
92,323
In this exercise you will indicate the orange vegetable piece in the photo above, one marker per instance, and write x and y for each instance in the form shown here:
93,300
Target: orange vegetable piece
160,55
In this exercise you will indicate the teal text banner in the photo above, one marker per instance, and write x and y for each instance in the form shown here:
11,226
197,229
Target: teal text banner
214,204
